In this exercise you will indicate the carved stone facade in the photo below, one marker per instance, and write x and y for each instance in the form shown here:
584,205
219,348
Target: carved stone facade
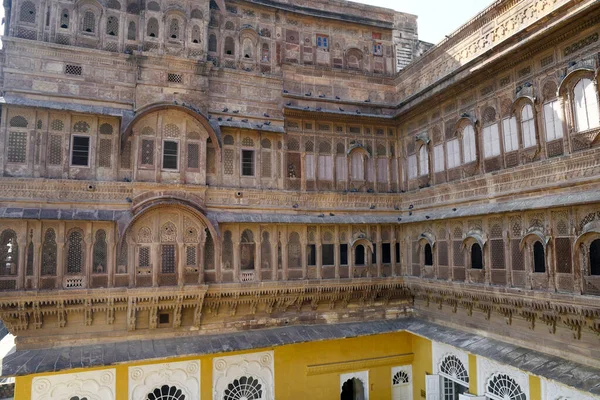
178,168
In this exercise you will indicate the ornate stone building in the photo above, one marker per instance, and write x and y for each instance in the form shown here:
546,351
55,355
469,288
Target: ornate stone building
260,199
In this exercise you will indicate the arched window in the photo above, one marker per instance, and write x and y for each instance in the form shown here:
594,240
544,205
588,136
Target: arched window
174,29
503,387
248,48
212,43
49,253
357,167
196,34
401,387
28,12
428,255
528,126
247,249
585,105
469,147
294,251
359,255
476,256
539,259
209,253
112,26
166,392
423,161
75,252
595,257
18,121
9,253
456,377
227,255
353,389
152,28
229,46
100,253
88,24
153,6
265,251
246,387
132,31
64,19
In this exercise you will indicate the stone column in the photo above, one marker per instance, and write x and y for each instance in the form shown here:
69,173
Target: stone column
111,258
200,261
303,245
336,251
284,254
60,251
258,258
319,254
379,251
275,253
236,258
393,251
156,262
21,263
181,261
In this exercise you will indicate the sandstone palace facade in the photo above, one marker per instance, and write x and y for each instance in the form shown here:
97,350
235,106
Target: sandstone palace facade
260,199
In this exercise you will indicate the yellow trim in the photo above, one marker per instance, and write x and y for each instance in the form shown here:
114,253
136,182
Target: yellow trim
396,360
535,388
472,374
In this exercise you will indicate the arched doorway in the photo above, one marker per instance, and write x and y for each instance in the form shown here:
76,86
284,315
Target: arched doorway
428,255
455,377
353,389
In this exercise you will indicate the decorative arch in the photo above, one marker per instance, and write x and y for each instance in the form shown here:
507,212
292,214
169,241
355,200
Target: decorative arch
474,236
426,238
357,147
354,58
464,120
451,367
213,130
534,236
574,76
361,241
503,387
590,230
148,205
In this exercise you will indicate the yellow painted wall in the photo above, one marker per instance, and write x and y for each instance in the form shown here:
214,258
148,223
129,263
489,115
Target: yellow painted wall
291,362
422,364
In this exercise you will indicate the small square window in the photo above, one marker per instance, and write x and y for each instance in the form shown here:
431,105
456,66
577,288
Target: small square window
170,154
175,78
80,151
378,49
163,318
247,163
322,42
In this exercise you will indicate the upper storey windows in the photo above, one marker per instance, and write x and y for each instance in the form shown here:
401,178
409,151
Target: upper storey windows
152,28
28,12
585,106
469,145
528,126
88,22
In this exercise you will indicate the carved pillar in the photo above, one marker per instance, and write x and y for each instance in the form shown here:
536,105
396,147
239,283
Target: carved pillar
22,245
393,251
319,253
3,135
156,262
507,263
303,172
131,260
111,257
258,258
236,259
552,282
336,251
379,250
37,240
274,253
181,261
60,259
303,245
201,258
284,253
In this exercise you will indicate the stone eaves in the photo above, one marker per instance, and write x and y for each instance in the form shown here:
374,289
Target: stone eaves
567,372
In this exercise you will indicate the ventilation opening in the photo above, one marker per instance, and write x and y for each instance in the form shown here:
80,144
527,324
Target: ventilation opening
73,69
428,255
164,318
175,78
152,35
195,41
